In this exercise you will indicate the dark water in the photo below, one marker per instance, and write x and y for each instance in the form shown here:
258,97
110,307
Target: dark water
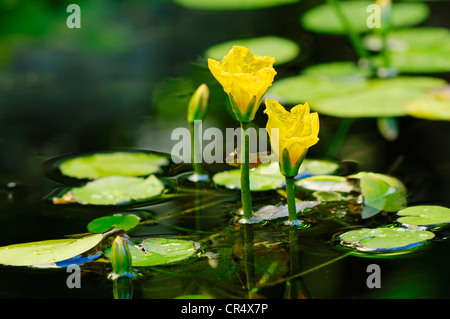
62,92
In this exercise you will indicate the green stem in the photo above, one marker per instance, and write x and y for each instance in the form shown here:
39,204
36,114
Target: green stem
245,172
290,194
353,36
249,259
196,163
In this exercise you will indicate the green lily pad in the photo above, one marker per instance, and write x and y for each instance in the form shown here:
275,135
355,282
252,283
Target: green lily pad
106,223
325,183
341,69
415,50
319,167
109,164
264,177
384,239
160,251
424,215
232,4
380,98
310,87
47,251
323,18
381,192
271,212
114,190
430,109
283,50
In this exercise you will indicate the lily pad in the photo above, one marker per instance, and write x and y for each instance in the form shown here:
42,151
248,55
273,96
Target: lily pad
264,177
341,69
424,215
271,212
283,50
114,190
109,164
319,167
106,223
415,50
48,251
384,239
232,4
381,192
430,109
310,87
325,183
160,251
380,98
323,18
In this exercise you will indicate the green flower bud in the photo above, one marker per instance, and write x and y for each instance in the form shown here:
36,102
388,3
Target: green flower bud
121,261
198,104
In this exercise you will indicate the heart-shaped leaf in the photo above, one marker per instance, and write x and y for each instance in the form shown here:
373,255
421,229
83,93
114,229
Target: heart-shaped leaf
114,190
325,183
324,19
264,177
380,192
384,239
427,215
160,251
414,50
114,163
47,251
118,221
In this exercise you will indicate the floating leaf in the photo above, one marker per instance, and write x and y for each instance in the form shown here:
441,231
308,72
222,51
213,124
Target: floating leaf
319,167
424,215
106,223
380,192
114,190
415,50
264,177
160,251
232,4
271,212
341,69
429,109
326,183
381,97
48,251
109,164
283,50
324,19
384,239
307,88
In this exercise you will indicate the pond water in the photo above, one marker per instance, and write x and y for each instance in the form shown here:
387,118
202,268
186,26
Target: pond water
63,92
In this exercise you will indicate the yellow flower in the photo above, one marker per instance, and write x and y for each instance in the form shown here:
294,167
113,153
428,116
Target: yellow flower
291,134
245,77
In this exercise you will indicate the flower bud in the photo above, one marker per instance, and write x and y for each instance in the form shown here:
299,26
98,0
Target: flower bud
121,261
198,104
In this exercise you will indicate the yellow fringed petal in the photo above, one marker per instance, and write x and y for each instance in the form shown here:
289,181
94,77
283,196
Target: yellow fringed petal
298,131
245,77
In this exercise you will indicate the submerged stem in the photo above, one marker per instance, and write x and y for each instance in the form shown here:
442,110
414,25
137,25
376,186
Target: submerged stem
290,194
245,172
